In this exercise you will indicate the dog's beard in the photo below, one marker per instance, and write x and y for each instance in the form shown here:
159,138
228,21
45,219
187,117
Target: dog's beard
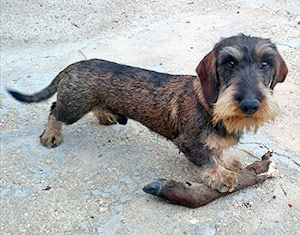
228,111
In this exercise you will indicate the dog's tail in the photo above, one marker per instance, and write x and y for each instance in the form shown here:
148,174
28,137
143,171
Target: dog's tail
44,94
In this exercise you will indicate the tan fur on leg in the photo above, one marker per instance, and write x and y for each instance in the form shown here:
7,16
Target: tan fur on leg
229,160
218,142
52,137
105,117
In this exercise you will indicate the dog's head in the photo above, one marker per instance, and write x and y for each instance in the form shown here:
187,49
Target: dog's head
237,79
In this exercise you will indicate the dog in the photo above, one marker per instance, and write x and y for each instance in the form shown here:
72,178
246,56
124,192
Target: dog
202,115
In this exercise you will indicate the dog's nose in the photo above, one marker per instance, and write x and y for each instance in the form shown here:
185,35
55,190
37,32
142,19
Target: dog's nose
249,106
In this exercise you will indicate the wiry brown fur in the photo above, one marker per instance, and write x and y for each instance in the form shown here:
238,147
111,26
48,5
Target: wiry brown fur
202,115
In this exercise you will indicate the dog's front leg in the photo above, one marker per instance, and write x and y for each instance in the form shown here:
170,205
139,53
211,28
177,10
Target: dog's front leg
213,174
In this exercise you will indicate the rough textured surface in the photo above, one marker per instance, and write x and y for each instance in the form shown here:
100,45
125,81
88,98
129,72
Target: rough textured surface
92,183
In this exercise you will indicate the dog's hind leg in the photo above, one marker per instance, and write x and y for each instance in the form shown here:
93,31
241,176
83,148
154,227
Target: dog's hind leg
106,117
61,114
52,137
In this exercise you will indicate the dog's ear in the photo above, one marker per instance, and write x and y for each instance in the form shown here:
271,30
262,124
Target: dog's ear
206,71
280,72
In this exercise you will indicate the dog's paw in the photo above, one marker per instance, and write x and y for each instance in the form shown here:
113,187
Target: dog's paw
51,138
219,178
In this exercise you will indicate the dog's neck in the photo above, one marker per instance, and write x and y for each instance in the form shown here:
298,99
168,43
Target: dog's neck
221,130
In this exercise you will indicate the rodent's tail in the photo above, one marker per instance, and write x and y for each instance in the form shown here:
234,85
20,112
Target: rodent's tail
44,94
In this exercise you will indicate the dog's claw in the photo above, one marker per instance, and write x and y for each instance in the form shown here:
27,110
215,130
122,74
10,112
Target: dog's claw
236,187
54,145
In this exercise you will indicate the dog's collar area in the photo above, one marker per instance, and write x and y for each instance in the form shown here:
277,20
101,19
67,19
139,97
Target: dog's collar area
220,128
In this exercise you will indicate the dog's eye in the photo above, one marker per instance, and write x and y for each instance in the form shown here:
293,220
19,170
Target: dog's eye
230,65
264,64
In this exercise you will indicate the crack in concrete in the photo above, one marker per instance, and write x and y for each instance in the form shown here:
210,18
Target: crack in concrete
277,153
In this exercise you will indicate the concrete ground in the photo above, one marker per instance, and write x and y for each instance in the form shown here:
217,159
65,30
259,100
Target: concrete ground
92,183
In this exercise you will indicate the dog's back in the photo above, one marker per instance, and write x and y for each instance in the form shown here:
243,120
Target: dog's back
116,92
